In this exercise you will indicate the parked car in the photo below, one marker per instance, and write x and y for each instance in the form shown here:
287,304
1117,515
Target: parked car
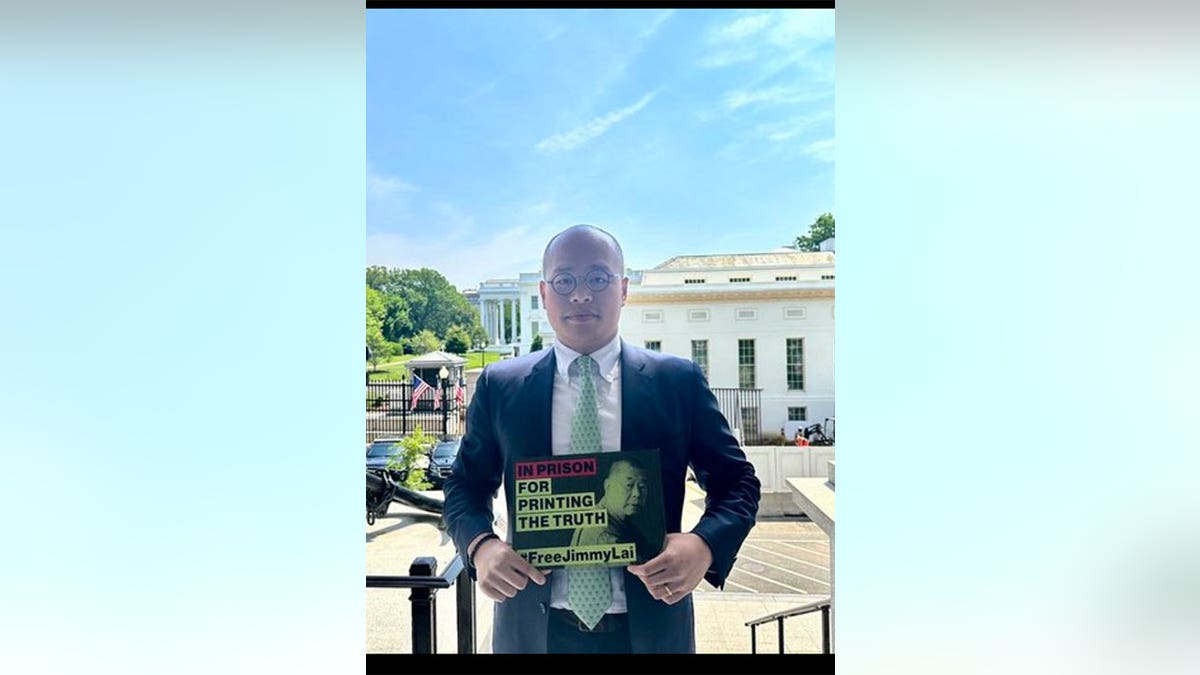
441,460
381,450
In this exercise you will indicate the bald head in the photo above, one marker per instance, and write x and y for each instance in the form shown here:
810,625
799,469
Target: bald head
585,235
625,489
585,316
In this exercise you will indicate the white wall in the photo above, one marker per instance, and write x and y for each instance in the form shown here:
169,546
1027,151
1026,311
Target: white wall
774,464
770,332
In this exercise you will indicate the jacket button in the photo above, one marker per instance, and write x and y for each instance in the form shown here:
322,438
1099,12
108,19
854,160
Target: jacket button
542,606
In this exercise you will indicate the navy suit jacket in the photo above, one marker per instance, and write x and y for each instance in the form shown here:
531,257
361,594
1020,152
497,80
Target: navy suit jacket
665,404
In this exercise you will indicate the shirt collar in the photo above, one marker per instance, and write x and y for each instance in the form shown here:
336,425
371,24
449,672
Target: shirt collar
606,358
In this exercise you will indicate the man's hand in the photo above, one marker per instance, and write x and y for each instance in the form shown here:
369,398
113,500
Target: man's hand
501,572
675,572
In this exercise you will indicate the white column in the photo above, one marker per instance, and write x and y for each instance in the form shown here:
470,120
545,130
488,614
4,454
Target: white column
503,320
519,333
483,317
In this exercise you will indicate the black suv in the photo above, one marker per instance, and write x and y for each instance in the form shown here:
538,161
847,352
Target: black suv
441,460
381,450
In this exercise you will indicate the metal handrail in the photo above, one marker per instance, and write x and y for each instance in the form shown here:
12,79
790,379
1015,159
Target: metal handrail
821,604
444,580
425,585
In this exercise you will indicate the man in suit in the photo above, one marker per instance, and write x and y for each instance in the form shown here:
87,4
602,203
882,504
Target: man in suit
592,392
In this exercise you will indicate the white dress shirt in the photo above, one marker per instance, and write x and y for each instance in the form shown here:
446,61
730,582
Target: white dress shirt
562,410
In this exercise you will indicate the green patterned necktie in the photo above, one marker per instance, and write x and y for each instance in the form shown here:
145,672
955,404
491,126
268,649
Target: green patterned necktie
589,589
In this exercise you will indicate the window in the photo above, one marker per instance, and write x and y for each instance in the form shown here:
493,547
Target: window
795,363
654,345
794,312
791,278
797,414
693,281
533,299
746,315
697,315
750,430
652,316
700,355
739,280
746,364
533,329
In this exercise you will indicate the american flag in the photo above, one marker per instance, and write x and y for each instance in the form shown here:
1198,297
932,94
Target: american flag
437,396
419,387
460,392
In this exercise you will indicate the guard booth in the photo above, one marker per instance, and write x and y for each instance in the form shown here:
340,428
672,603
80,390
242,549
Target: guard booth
429,367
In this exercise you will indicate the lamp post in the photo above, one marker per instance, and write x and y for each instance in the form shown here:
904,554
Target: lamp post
442,375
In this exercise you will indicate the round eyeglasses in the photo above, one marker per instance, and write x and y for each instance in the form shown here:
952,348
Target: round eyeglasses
564,283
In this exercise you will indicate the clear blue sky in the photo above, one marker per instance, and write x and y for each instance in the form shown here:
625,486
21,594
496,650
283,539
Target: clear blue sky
680,131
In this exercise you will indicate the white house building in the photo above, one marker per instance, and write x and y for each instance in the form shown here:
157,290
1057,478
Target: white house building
498,303
757,321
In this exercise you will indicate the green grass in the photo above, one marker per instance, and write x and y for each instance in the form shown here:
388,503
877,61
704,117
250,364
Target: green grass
394,368
473,359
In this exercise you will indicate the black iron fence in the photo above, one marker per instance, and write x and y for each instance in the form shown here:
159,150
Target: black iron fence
391,411
743,410
424,582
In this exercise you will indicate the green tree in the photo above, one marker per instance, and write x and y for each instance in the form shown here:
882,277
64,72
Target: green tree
536,345
458,340
429,302
384,280
375,312
819,231
424,342
415,446
396,321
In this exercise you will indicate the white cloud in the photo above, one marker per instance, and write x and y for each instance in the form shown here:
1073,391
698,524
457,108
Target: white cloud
382,186
580,135
777,95
726,57
540,209
618,60
655,25
794,40
800,27
740,29
790,128
822,151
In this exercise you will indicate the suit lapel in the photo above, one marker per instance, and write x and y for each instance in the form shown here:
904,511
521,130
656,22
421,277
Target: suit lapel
635,396
538,392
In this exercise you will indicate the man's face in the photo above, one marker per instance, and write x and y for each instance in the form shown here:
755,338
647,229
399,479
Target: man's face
583,319
625,490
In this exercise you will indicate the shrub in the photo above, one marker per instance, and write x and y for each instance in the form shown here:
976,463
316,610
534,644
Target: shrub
415,446
458,340
424,342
